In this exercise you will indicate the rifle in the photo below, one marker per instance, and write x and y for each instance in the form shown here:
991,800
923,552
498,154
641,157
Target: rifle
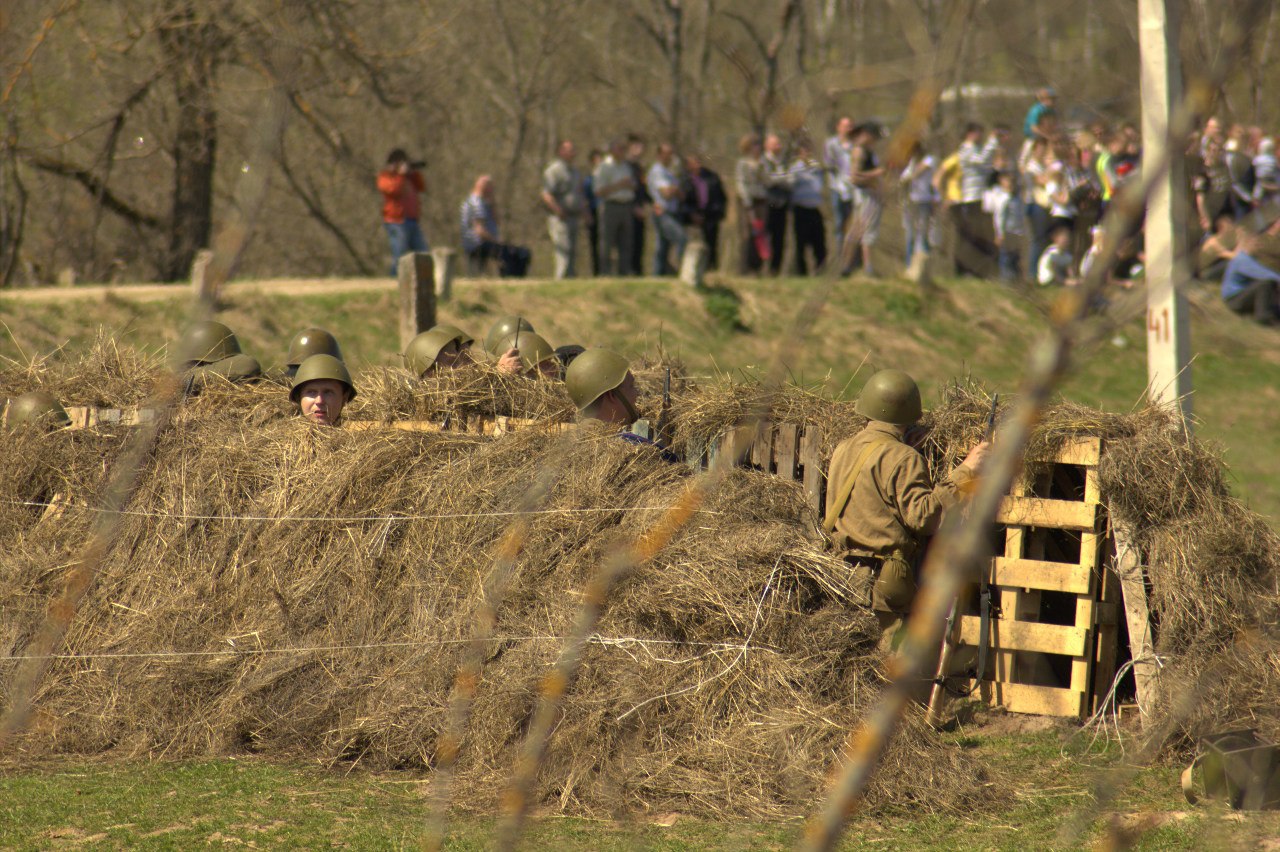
937,696
664,413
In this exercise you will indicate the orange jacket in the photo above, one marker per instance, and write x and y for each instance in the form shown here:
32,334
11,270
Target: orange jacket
399,195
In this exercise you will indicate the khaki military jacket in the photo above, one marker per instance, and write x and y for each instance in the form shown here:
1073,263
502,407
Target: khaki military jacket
894,505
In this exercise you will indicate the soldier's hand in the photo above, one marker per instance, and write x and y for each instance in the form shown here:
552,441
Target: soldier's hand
974,460
510,362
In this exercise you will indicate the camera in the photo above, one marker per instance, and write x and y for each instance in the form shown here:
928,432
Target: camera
418,164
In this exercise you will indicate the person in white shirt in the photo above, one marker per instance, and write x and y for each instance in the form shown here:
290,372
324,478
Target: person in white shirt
1008,216
664,188
1056,263
917,214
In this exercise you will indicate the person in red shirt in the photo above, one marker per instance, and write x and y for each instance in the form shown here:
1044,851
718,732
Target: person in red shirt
400,182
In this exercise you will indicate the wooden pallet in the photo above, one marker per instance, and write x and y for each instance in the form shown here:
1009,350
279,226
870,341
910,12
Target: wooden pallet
785,449
1052,639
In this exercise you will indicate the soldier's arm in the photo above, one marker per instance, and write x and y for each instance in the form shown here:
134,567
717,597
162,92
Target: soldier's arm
921,503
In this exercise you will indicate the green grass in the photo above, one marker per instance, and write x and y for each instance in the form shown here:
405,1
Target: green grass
281,806
969,328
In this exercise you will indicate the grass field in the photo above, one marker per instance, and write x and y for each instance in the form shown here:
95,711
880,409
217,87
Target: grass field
253,803
972,328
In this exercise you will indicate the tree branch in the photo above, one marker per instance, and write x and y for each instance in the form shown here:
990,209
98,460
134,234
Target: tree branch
97,188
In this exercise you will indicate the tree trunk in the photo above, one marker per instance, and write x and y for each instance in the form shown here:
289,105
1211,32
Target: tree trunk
191,46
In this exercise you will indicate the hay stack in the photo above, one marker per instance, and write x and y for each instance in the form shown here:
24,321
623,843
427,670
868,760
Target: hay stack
664,717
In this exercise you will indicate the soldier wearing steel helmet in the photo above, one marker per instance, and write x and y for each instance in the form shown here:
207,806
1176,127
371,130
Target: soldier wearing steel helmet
443,347
528,354
506,360
601,385
881,503
308,342
211,348
321,389
36,408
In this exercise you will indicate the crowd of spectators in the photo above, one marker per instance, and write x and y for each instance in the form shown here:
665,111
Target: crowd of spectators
1021,207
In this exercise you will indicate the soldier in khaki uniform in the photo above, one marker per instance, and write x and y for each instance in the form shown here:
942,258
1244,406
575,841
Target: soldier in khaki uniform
881,504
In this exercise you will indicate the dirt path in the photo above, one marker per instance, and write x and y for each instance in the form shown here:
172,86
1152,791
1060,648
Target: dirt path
275,286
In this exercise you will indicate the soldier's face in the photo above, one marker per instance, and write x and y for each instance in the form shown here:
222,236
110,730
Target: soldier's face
322,400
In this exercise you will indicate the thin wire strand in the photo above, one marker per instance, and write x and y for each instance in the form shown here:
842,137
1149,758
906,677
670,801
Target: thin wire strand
343,519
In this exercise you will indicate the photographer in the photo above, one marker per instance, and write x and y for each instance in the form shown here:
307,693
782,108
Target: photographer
400,182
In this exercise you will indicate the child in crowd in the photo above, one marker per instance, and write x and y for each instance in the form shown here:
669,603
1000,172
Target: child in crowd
1009,216
1056,263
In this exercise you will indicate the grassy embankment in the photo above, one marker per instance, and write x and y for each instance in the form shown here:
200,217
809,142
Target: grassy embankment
973,328
265,805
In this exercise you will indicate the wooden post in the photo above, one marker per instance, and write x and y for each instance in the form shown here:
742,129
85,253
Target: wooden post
1138,618
693,264
203,288
417,295
446,266
1165,230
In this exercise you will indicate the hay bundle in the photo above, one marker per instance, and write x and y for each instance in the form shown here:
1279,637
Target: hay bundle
725,675
104,375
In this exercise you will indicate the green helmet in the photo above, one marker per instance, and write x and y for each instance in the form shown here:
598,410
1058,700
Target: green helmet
37,407
237,368
206,342
312,341
464,339
421,353
593,374
534,349
321,367
502,328
892,397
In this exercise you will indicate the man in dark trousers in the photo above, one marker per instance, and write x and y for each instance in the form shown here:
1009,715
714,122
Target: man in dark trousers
777,180
635,159
705,204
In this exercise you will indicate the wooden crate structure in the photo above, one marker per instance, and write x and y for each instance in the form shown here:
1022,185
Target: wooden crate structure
1052,633
1053,637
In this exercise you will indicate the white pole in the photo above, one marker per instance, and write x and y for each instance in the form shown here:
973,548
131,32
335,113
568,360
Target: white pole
1168,318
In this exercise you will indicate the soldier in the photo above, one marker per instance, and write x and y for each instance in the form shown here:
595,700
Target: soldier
528,354
444,346
601,385
308,342
210,347
321,388
36,407
506,360
881,504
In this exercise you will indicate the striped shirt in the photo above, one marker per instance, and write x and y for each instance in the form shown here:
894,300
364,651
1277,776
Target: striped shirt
975,168
476,209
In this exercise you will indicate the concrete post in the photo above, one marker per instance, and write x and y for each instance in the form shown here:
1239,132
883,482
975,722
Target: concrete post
693,264
1168,317
446,266
417,295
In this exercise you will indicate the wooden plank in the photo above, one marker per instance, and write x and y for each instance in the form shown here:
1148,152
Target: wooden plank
1038,574
1138,618
695,453
1048,514
1082,666
1011,635
1106,617
786,444
1081,451
1041,700
814,475
762,448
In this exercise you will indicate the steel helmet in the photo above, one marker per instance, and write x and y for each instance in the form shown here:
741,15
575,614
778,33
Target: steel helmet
206,342
502,328
890,396
312,341
321,367
464,339
422,351
534,349
37,407
593,374
237,368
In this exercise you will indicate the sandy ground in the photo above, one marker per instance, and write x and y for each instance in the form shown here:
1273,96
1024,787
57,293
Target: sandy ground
280,286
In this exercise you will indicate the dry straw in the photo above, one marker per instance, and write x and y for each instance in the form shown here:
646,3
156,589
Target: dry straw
755,738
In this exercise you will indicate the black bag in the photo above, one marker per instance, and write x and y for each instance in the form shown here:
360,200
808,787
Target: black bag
514,261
